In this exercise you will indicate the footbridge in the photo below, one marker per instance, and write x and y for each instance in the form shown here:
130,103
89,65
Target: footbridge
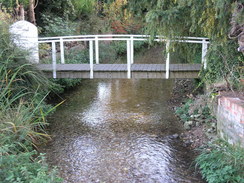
94,69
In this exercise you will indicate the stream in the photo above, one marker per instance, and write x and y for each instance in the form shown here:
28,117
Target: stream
119,131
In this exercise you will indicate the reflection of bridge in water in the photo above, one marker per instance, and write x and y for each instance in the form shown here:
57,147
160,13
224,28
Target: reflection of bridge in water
129,70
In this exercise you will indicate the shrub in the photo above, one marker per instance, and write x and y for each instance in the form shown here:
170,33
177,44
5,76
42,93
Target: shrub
56,26
22,116
222,163
183,111
25,167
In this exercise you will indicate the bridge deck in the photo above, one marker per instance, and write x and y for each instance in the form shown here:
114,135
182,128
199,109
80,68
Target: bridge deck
120,70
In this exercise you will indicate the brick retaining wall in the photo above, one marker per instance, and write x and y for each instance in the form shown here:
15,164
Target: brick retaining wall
230,117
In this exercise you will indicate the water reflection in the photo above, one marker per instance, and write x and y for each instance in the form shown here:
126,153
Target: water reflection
119,131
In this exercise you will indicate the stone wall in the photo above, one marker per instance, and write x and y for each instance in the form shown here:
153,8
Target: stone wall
230,117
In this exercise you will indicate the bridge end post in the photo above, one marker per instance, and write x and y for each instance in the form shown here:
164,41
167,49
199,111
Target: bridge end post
54,60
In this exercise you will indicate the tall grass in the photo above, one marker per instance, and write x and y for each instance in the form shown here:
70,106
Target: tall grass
23,110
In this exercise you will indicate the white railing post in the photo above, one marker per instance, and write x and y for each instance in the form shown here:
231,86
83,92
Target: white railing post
62,51
167,60
54,61
128,59
132,49
91,58
204,53
97,49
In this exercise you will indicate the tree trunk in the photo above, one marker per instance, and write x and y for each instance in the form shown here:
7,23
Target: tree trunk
21,12
31,13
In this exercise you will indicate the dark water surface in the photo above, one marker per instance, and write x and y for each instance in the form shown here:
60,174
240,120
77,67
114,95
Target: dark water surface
119,131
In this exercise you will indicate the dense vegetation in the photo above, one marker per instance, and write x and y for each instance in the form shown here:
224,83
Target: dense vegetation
22,116
23,89
208,18
221,162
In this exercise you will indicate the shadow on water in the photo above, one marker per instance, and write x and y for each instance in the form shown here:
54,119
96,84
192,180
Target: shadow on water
119,131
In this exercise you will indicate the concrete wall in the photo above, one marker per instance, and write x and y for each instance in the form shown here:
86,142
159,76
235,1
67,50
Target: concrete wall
25,36
230,117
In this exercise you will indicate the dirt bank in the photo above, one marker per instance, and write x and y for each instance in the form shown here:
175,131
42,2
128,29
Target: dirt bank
200,133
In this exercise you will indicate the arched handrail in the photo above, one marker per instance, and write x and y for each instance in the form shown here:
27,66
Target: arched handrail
119,37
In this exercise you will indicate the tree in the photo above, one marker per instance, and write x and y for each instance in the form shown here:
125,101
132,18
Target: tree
19,9
208,18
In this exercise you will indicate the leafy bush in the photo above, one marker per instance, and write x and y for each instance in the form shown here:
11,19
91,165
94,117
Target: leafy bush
222,163
183,111
223,63
120,46
57,26
25,167
195,109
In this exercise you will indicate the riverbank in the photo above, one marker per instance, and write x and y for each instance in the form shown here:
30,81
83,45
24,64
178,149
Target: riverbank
200,135
195,134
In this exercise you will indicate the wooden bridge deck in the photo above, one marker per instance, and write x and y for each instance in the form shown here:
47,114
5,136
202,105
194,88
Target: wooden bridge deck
120,70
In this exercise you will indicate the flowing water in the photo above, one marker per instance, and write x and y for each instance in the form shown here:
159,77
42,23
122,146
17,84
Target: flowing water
119,131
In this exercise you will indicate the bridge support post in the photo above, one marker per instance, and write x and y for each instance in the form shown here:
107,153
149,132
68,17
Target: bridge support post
54,59
167,60
62,51
128,59
132,49
204,53
91,58
97,49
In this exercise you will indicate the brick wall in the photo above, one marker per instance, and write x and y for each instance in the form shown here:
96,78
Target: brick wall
230,117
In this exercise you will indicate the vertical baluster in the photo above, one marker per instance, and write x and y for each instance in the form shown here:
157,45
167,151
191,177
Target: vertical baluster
91,58
128,60
167,60
62,51
97,49
132,49
54,61
204,53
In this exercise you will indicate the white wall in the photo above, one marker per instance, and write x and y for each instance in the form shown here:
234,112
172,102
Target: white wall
25,36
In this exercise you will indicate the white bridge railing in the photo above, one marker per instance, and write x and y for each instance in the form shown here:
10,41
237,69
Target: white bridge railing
130,47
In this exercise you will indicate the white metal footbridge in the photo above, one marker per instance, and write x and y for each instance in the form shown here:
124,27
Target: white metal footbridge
130,70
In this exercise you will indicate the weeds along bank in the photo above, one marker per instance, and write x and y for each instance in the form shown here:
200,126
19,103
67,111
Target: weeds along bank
22,117
218,161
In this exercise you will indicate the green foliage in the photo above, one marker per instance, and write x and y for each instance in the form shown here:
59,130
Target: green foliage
208,18
83,7
120,46
114,51
223,62
77,56
25,167
183,111
93,24
57,26
22,115
67,9
58,8
195,110
12,3
222,162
